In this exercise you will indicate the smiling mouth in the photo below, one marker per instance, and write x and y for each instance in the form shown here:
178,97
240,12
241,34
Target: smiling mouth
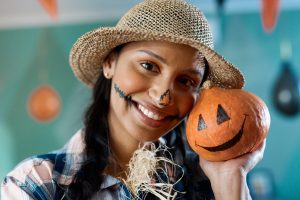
227,144
150,114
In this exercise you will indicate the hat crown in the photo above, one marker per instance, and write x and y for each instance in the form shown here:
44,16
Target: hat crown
174,17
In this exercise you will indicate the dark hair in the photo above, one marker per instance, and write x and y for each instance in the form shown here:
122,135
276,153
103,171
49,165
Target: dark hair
90,176
88,179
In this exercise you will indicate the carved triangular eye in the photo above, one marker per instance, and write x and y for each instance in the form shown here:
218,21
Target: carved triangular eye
201,123
221,115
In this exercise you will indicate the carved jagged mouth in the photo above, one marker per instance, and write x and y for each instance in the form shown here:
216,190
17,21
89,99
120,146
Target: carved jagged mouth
227,144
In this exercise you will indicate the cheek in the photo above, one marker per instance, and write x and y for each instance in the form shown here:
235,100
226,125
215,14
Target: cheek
185,103
129,80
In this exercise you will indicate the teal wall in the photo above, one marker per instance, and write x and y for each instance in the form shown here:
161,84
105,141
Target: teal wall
28,58
258,55
242,41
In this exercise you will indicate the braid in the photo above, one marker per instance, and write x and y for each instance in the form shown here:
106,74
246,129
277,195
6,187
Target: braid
89,178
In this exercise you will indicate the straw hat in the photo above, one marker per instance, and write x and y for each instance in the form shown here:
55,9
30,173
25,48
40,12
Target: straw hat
164,20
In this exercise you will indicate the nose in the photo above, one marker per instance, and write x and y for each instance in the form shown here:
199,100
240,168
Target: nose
161,96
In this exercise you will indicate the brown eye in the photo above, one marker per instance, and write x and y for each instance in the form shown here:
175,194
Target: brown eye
150,66
221,115
186,81
201,123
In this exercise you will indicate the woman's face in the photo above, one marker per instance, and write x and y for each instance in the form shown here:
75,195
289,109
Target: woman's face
154,86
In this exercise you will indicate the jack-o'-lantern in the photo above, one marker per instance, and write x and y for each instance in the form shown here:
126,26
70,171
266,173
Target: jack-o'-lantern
227,123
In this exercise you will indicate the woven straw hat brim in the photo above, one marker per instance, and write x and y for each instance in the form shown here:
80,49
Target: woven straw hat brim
90,50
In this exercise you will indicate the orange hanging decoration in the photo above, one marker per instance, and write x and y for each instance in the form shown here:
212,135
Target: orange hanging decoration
44,103
269,13
50,6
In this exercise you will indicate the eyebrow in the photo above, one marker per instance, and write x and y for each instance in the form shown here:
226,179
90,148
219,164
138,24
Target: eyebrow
194,71
151,53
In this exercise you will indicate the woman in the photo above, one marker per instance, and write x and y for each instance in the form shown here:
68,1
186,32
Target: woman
146,74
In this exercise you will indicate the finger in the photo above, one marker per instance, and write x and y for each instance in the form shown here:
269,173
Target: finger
256,156
260,149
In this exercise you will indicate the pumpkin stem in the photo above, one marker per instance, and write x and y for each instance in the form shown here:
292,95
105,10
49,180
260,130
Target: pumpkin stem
207,84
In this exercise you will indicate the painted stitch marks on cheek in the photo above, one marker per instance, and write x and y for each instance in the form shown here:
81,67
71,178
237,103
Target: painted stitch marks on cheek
122,93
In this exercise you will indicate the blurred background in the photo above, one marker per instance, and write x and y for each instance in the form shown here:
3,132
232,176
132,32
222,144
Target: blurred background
262,37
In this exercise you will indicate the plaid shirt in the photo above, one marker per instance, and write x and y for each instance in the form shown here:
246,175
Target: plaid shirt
42,177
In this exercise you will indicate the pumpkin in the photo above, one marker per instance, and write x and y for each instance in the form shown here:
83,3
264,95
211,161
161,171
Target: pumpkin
227,123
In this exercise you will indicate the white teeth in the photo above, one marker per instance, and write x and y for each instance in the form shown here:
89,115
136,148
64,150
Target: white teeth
150,114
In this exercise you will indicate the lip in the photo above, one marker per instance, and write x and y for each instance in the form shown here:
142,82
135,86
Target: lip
149,121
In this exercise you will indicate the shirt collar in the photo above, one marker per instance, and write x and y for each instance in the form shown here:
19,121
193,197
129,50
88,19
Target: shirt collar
74,151
74,157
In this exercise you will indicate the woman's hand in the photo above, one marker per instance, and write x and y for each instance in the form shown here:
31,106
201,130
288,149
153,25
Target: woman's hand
228,178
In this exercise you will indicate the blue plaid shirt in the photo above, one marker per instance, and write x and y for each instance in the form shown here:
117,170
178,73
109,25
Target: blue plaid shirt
43,177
